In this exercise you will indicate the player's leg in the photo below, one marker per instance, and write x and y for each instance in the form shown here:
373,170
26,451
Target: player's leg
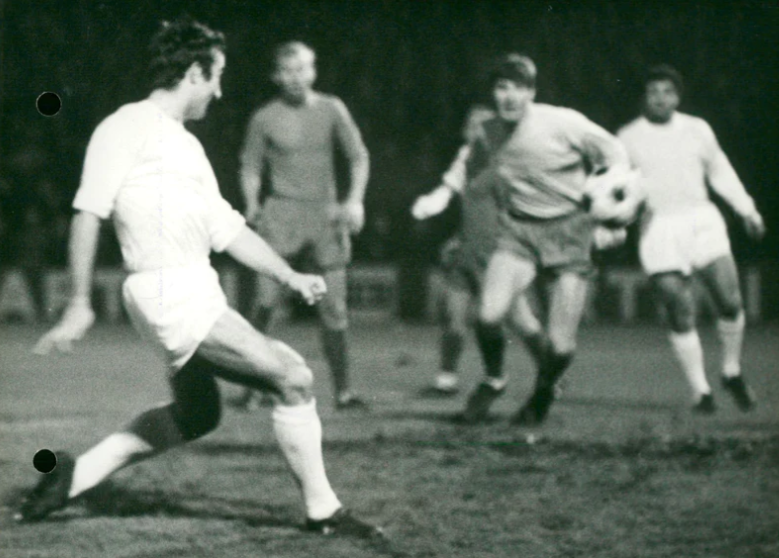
507,276
568,296
457,309
334,320
268,296
246,356
677,299
526,324
721,279
194,411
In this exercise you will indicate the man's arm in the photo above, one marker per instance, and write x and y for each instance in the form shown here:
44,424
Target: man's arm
723,179
78,316
253,252
453,181
252,159
349,136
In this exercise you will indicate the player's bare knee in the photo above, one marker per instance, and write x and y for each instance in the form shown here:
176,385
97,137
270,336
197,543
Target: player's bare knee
562,344
731,306
296,380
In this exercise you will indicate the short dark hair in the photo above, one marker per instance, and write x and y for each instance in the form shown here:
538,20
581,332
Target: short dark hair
514,67
665,72
179,44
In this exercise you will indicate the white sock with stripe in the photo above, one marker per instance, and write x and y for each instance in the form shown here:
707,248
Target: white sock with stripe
731,334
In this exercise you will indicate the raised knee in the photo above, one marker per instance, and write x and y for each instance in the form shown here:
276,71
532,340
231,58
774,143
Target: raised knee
296,380
562,345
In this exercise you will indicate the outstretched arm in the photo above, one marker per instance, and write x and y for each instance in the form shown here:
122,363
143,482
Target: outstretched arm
253,252
78,316
453,181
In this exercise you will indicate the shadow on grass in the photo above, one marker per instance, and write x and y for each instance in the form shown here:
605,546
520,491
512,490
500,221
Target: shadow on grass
110,500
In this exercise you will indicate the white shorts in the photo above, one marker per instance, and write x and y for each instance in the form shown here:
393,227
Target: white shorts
683,241
175,308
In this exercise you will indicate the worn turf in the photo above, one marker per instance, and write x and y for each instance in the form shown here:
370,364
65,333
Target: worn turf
621,469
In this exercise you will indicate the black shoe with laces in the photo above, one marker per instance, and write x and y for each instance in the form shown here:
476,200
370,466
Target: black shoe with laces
536,408
478,406
343,523
51,492
705,405
741,393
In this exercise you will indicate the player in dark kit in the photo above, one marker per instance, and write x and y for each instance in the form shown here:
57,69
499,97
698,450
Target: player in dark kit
293,141
544,230
151,176
465,257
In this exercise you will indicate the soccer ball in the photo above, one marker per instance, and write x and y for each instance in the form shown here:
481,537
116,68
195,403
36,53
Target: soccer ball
614,198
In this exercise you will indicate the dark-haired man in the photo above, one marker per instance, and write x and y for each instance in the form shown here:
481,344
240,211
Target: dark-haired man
683,232
544,228
151,176
293,140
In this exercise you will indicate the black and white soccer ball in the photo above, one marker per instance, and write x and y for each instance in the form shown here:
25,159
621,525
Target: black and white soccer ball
614,198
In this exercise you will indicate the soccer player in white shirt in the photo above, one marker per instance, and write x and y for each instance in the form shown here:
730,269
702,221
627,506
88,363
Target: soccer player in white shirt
682,231
151,176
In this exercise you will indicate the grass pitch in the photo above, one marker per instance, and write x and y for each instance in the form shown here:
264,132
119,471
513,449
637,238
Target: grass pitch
621,469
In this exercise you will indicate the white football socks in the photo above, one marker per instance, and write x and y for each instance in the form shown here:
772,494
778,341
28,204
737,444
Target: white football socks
299,433
731,334
688,350
107,457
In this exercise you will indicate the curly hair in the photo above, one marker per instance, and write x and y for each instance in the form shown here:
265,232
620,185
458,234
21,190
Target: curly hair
665,72
179,44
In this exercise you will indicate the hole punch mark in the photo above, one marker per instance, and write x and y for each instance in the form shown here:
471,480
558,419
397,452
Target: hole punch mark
48,103
44,461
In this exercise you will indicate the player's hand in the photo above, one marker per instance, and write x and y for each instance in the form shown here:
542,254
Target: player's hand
353,214
754,225
431,204
311,287
606,238
75,322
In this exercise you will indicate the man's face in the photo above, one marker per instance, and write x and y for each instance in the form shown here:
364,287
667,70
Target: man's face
295,75
662,99
208,89
512,99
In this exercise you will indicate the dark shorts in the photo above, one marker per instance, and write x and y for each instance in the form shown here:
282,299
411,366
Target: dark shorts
562,244
464,265
297,228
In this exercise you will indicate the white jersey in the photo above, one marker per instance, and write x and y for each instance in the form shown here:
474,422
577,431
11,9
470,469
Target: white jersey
148,173
677,160
152,176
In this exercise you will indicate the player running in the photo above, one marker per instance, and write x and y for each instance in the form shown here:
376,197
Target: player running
293,140
465,256
544,229
683,232
147,172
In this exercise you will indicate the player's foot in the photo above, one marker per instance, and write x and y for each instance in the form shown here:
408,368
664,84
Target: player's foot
51,493
705,405
351,402
343,523
446,384
741,393
478,406
535,409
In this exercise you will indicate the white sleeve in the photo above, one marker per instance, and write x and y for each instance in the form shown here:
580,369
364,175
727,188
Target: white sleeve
455,177
721,175
111,154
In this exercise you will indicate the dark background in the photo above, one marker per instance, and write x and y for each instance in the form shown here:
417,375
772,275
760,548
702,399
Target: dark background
408,71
